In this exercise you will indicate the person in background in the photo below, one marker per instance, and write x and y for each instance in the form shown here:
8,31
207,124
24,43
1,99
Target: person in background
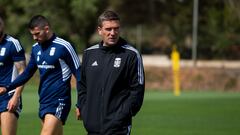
56,60
12,63
112,81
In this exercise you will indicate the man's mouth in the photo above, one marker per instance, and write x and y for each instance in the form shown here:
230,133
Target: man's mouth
112,38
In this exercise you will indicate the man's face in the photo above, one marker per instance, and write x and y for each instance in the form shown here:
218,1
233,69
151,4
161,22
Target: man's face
109,31
40,34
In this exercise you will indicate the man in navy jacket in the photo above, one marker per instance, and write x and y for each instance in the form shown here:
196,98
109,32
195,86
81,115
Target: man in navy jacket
56,60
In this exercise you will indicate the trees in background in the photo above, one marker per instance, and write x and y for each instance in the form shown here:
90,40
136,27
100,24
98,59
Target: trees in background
73,20
168,22
155,24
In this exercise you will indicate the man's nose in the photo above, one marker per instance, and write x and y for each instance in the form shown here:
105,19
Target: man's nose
112,32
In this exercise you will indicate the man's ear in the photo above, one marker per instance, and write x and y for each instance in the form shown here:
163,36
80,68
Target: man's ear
99,30
46,28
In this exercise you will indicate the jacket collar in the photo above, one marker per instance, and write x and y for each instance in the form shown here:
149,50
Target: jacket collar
47,43
120,43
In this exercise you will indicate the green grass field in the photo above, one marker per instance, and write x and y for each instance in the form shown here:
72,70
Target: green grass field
192,113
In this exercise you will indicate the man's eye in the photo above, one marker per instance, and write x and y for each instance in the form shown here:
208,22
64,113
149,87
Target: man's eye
108,29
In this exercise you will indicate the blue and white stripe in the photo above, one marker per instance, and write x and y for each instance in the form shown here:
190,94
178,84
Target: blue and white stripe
15,42
14,73
14,76
59,109
70,49
66,72
140,64
35,44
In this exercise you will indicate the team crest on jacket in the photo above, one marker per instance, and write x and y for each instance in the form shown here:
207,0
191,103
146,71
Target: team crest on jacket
117,62
38,54
52,51
3,50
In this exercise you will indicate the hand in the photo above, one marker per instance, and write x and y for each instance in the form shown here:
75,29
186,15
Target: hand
13,104
2,90
78,114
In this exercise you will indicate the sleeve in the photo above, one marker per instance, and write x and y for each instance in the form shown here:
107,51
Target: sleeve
25,76
18,53
72,60
82,85
136,83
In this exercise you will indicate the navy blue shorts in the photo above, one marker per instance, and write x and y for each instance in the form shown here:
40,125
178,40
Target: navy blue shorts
59,108
4,103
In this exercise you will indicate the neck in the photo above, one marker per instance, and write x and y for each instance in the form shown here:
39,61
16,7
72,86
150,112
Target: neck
107,45
49,36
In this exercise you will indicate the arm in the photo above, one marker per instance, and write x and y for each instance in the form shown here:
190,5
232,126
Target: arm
82,90
82,87
137,85
25,76
72,60
13,102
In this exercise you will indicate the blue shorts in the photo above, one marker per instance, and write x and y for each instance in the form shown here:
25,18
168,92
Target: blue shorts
59,108
4,99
